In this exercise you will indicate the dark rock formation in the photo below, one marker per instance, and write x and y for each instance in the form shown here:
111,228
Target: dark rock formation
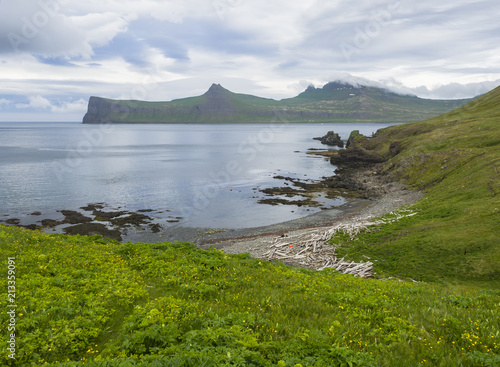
90,229
51,222
355,138
98,111
135,219
358,152
331,138
360,180
73,217
357,155
345,182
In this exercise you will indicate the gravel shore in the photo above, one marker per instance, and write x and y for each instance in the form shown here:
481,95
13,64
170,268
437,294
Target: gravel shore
387,197
369,194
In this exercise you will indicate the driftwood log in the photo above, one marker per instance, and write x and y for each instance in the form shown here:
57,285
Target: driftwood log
310,248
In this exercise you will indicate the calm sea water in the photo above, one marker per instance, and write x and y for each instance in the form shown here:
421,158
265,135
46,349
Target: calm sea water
206,174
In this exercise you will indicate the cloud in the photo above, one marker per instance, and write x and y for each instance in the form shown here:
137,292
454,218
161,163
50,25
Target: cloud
43,28
40,103
79,106
100,29
36,102
126,46
63,51
456,90
401,35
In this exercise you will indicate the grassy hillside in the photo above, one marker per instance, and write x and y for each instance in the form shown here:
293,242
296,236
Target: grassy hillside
455,160
370,103
335,102
94,302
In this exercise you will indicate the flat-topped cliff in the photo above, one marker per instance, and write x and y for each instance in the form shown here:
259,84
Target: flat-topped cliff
335,102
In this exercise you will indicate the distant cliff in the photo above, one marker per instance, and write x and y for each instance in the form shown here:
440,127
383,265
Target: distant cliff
335,102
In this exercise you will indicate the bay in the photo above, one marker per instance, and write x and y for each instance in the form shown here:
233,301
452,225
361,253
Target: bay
194,175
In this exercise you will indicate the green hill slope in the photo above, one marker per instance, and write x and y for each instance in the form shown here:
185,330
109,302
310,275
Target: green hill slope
335,102
454,159
87,301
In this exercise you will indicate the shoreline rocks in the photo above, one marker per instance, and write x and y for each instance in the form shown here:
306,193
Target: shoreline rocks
357,155
359,152
356,179
332,139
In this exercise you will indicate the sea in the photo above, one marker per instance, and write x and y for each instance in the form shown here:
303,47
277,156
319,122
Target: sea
199,175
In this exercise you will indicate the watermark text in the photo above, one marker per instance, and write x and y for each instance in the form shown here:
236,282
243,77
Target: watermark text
11,306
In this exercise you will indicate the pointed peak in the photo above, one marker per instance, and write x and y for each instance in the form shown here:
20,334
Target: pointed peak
216,88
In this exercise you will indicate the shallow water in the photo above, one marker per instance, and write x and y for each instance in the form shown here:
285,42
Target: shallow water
208,174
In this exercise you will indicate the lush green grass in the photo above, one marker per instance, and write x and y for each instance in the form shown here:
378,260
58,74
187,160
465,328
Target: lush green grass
89,301
455,160
85,300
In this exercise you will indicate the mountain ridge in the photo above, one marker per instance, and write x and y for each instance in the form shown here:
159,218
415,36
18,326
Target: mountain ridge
334,102
454,159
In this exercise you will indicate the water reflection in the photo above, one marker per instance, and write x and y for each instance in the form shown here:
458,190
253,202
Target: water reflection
208,174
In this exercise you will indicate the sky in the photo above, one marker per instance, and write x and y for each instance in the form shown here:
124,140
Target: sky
55,54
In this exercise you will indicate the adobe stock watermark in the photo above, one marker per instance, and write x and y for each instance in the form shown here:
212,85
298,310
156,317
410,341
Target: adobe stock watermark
31,26
11,306
95,135
222,7
92,139
363,36
248,150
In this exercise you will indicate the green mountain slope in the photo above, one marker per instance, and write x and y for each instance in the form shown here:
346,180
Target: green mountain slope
335,102
454,159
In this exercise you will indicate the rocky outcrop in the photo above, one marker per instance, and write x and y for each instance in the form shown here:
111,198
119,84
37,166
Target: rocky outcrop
102,110
355,138
332,139
97,111
358,151
357,154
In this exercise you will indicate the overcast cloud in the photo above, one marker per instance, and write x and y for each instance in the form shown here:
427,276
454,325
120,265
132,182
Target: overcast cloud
54,54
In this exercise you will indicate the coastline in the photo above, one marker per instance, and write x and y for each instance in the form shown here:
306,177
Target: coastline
371,196
395,197
386,196
204,237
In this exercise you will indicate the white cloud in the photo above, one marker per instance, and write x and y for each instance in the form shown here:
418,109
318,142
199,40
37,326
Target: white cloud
174,49
100,29
79,106
40,27
36,102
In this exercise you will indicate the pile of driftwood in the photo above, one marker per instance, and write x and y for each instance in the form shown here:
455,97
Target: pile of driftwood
310,248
